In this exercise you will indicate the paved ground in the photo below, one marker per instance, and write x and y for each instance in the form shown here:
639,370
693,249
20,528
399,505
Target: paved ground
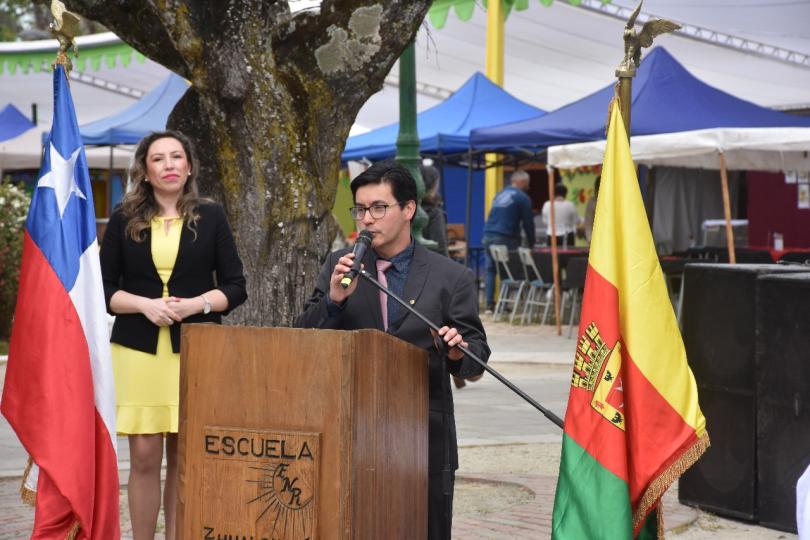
509,453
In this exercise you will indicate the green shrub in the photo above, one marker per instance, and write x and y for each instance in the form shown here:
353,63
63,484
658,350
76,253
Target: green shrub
14,203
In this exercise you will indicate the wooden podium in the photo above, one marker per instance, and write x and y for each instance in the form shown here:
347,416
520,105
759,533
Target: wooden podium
292,434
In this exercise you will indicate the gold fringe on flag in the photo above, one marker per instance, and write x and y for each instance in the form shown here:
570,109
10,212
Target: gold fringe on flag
28,496
657,487
74,531
659,513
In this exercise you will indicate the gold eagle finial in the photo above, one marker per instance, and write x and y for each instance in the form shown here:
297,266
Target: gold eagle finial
634,41
64,28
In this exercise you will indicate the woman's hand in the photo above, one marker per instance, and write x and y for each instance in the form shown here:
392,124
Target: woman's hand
160,310
185,307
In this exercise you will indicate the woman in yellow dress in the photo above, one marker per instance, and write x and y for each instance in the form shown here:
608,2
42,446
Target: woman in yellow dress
160,253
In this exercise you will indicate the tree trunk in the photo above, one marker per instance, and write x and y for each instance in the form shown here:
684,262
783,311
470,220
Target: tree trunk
272,102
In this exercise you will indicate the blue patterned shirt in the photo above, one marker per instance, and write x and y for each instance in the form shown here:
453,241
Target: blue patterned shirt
396,276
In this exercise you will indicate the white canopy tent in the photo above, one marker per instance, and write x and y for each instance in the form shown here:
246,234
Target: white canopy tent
760,149
23,152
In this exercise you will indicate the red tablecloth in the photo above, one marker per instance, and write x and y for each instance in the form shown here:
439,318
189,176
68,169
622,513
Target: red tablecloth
776,254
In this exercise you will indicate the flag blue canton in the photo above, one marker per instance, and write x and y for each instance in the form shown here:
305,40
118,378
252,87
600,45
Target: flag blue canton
61,219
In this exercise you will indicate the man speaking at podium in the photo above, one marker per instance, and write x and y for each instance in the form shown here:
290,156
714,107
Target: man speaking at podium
441,289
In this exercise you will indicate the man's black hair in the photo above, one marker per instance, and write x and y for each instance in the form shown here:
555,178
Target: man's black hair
403,186
560,190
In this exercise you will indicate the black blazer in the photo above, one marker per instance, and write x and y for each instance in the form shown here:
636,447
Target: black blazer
127,265
444,291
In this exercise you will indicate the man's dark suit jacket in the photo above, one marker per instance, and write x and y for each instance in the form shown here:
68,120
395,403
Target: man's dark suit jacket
444,291
127,265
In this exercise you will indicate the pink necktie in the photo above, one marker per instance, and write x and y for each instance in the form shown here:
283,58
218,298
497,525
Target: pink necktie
382,266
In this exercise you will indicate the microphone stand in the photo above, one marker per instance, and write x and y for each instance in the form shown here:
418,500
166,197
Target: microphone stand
547,413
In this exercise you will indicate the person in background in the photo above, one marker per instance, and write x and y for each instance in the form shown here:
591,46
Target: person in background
539,227
565,216
161,251
510,212
590,210
436,228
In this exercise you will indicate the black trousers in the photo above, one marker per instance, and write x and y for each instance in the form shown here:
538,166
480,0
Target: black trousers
570,239
440,505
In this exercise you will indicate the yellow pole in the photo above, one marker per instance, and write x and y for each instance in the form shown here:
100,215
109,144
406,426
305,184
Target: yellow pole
494,71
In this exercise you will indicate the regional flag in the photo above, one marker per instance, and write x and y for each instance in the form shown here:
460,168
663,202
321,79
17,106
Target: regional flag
633,422
59,394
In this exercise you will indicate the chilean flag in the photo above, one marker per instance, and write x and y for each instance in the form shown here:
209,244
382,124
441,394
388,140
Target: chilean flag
59,394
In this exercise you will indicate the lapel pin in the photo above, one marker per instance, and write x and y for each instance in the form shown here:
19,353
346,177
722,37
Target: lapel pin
413,301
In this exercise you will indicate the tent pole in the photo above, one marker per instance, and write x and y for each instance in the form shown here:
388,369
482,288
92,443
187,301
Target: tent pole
555,265
732,256
468,212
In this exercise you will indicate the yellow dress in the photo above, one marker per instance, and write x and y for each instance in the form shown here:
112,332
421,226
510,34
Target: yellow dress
147,385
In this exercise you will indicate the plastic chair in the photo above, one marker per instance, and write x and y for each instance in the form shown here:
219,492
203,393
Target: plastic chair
537,295
500,255
573,284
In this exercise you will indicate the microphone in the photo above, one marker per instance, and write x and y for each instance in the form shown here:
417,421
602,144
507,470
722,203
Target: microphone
360,247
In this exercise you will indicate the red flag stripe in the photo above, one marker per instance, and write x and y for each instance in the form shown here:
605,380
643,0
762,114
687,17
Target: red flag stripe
49,400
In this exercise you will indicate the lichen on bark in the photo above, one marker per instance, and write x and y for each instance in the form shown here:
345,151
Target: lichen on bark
349,50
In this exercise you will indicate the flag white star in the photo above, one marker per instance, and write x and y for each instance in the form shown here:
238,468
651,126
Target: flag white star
61,178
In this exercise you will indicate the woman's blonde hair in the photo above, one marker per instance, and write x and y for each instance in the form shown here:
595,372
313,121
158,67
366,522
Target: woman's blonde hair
139,206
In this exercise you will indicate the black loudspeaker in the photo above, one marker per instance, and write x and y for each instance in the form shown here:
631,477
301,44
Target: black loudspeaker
719,320
783,395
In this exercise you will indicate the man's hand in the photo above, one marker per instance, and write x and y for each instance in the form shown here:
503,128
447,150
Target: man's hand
451,338
336,291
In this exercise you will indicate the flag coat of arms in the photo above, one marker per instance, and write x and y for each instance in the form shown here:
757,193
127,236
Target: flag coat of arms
633,423
59,393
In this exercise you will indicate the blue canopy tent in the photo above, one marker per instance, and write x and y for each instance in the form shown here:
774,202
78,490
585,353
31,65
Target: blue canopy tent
150,113
445,128
666,99
677,121
13,123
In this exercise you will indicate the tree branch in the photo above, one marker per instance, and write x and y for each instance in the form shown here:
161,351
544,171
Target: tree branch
128,19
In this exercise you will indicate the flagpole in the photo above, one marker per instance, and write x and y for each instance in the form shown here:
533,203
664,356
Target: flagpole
625,97
633,42
627,68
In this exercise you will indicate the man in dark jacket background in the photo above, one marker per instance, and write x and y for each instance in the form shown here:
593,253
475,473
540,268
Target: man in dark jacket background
511,209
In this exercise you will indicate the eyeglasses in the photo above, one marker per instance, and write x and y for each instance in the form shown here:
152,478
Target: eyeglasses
377,210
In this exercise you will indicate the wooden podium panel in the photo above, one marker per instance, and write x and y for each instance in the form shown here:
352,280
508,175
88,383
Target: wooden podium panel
290,434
